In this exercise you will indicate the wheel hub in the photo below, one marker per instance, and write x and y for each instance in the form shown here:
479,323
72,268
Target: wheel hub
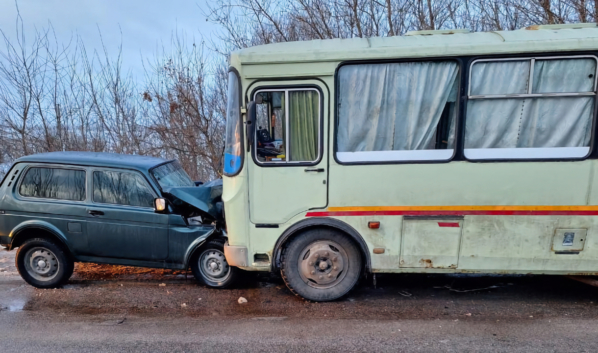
213,265
41,264
322,264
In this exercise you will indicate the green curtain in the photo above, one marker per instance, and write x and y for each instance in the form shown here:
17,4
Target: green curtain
284,124
303,117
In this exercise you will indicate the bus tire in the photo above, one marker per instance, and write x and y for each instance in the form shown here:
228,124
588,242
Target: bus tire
321,264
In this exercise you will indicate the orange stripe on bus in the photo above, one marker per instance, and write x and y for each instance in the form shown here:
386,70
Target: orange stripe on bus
457,211
463,208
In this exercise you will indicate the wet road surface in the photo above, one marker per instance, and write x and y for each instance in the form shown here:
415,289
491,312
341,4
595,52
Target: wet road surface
116,309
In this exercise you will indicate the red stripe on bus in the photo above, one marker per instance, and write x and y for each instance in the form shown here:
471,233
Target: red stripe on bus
449,224
451,213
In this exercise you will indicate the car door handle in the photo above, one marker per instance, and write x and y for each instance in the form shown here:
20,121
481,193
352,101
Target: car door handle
95,213
316,170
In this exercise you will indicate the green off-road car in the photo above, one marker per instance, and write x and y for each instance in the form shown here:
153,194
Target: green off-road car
62,207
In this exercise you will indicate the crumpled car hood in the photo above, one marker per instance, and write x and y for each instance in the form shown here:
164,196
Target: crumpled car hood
205,197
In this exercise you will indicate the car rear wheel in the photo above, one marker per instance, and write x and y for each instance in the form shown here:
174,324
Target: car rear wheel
43,263
321,265
209,266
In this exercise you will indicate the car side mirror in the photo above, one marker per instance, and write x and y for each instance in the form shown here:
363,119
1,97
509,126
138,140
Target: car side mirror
250,125
159,205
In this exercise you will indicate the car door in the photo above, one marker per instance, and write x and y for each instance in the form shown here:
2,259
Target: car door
52,194
121,219
288,171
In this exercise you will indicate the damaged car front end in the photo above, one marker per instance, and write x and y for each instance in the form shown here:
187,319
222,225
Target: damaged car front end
200,206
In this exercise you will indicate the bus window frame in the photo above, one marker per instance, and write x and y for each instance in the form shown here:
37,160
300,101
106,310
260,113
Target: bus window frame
471,60
293,87
532,60
457,150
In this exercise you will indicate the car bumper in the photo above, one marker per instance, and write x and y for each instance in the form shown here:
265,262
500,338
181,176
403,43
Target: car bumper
235,255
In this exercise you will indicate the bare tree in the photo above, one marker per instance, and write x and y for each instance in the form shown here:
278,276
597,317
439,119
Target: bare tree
185,101
250,22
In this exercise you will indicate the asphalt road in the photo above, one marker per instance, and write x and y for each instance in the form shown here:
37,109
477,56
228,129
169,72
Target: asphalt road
117,309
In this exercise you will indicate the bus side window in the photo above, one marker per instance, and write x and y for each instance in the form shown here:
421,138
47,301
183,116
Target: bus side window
288,123
530,108
397,111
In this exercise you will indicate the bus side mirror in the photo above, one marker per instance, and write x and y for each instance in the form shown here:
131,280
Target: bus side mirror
250,127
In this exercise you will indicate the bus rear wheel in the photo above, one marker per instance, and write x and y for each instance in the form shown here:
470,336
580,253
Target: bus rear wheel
321,265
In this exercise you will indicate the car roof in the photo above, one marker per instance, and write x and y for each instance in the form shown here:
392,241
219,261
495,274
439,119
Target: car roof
98,159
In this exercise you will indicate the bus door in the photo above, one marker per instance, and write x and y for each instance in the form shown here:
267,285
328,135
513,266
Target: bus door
288,169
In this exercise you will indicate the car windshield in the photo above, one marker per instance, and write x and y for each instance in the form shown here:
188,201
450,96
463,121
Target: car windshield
171,174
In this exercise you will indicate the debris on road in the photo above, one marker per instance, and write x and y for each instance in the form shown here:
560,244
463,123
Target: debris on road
468,314
184,305
468,290
270,318
162,285
242,300
404,293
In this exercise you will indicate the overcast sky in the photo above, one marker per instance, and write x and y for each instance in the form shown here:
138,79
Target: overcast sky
145,24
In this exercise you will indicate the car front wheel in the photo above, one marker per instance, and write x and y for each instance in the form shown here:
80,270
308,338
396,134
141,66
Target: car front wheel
209,266
44,264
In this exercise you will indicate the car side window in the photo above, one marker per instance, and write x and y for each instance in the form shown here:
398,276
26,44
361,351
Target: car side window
54,183
121,188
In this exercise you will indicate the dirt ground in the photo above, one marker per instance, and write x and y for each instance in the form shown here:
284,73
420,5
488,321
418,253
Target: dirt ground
499,308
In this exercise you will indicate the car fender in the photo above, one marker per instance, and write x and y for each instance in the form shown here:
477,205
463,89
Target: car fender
199,241
37,224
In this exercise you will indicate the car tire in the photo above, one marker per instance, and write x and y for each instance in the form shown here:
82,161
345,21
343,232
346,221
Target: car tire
321,265
209,266
44,264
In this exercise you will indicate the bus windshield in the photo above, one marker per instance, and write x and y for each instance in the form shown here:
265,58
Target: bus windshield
232,148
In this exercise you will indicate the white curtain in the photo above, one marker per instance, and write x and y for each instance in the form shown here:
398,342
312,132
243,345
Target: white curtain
500,77
391,107
564,76
531,122
537,122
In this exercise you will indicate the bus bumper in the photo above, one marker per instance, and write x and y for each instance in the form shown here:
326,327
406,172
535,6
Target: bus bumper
235,255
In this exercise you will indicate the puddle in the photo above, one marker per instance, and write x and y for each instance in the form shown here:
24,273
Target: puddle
14,306
15,288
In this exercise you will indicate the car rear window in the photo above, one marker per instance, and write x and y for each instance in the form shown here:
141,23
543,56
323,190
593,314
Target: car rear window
54,183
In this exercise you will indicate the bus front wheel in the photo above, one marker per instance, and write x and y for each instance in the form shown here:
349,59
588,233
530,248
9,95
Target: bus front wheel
321,264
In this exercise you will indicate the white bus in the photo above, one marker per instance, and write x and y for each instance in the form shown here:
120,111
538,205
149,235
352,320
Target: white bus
432,152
